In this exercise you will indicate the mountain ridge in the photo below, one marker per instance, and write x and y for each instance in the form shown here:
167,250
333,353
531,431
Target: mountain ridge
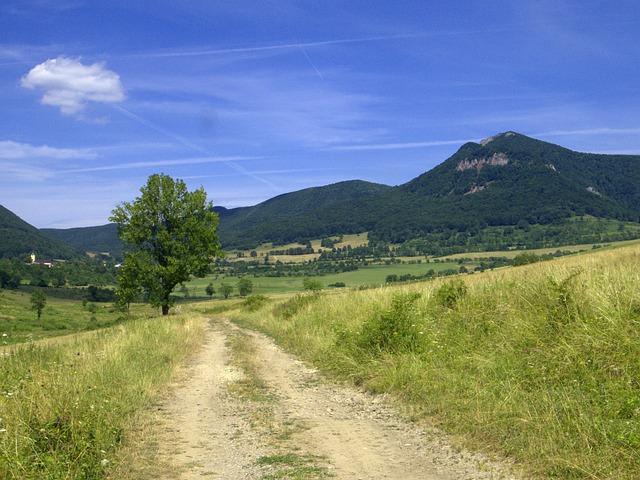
502,180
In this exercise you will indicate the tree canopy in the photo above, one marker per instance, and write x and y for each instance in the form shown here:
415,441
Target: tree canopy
170,235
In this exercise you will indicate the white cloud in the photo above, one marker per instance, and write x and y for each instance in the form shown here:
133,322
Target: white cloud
70,85
11,150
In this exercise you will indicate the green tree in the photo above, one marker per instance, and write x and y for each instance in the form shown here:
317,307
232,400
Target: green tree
128,289
38,302
210,290
171,235
226,290
245,287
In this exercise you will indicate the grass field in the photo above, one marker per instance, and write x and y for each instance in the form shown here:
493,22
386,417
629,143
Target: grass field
538,363
369,275
18,323
586,247
66,408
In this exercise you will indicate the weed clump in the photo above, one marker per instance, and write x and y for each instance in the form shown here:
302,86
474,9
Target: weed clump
255,302
450,293
392,330
564,304
290,307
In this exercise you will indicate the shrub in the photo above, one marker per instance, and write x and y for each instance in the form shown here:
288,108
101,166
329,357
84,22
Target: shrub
312,285
392,330
290,307
255,302
450,293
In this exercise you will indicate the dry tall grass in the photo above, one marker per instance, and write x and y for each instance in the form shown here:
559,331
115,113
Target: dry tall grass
65,408
540,363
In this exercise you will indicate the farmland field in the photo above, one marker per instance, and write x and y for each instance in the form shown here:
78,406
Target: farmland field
367,275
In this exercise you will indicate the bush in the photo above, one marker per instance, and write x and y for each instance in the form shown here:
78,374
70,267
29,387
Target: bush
450,293
312,285
393,330
255,302
290,307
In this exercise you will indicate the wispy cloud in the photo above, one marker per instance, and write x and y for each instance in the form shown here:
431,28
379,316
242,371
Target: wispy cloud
277,46
11,150
230,161
400,146
19,171
322,43
262,172
159,163
589,131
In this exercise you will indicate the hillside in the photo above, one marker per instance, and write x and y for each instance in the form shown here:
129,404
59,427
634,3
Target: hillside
17,238
103,238
472,198
305,214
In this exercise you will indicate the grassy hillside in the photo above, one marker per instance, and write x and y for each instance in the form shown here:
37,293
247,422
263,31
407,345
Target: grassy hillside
17,238
539,363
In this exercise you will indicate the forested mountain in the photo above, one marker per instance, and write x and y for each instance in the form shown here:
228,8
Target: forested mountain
305,214
103,238
505,180
17,238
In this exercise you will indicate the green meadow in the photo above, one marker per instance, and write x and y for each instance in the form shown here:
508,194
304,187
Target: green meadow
370,275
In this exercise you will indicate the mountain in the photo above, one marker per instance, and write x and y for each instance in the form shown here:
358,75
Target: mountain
509,178
17,238
504,180
103,238
309,213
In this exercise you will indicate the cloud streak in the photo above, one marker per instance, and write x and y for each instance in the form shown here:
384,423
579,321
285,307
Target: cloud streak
195,147
589,131
399,146
159,163
11,150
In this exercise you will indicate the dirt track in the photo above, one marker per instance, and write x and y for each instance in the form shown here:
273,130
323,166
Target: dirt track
203,430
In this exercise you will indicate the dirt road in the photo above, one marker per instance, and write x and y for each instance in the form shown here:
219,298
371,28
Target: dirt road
247,410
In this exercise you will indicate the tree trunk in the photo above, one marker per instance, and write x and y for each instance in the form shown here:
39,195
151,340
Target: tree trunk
165,309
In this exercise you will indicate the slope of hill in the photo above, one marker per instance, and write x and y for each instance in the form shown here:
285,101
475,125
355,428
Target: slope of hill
17,238
103,238
507,179
305,214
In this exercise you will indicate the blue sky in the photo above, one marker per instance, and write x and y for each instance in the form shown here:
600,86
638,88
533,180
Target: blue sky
253,99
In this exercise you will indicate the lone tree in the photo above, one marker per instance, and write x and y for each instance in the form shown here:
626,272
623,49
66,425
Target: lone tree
226,290
210,290
245,287
171,235
38,302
